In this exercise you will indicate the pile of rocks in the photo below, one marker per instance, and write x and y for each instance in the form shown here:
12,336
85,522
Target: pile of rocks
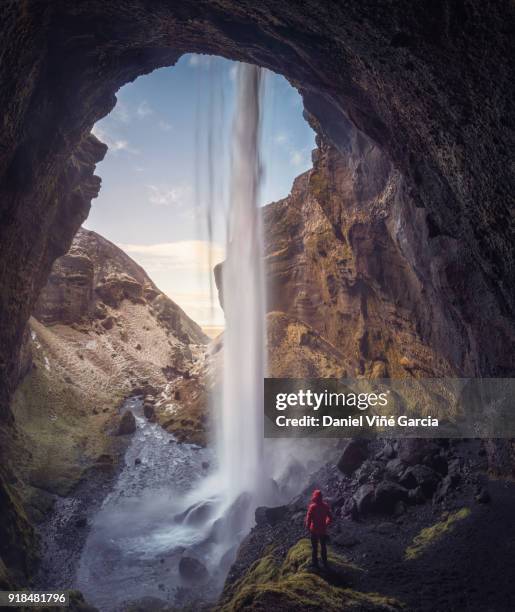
383,477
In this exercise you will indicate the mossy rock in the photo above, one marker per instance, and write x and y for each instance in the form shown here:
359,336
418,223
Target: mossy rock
298,559
291,585
429,535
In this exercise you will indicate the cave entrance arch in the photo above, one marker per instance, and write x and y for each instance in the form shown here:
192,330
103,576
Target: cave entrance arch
403,77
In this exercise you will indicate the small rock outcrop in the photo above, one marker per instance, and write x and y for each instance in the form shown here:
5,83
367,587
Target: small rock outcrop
192,569
353,455
92,281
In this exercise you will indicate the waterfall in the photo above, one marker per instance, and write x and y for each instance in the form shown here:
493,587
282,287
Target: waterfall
165,509
240,431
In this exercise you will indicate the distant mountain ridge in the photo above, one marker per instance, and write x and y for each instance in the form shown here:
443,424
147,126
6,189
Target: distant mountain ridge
93,279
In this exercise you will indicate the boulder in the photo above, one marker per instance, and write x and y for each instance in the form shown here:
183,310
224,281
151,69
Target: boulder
387,495
353,455
149,412
370,470
414,450
364,498
387,452
395,468
270,516
421,476
344,539
192,569
127,424
108,322
446,485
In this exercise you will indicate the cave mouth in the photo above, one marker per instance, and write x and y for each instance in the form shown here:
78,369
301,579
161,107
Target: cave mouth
172,517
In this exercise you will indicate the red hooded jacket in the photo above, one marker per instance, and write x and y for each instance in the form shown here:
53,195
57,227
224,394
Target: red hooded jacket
319,514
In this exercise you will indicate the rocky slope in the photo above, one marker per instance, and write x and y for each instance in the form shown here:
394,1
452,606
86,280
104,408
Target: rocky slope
101,331
412,530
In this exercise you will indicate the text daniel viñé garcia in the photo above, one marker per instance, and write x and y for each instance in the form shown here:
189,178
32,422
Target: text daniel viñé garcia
310,399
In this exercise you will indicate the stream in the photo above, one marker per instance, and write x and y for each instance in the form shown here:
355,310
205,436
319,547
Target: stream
135,540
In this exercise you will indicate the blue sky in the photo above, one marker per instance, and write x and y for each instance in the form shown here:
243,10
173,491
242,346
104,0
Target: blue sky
155,175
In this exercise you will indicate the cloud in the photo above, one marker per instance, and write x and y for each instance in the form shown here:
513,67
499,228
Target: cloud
202,308
186,252
144,109
120,112
281,138
169,196
114,144
165,126
297,158
199,61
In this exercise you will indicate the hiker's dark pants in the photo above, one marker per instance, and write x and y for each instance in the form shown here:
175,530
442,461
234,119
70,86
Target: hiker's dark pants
314,548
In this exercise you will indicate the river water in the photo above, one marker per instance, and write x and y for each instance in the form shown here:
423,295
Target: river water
138,536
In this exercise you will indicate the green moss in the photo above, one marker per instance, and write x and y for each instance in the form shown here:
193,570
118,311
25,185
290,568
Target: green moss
299,559
290,586
429,535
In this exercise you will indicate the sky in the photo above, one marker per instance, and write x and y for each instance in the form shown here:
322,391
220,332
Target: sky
158,179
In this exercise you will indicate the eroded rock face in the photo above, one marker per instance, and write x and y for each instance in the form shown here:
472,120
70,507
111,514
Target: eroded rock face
92,280
68,294
344,255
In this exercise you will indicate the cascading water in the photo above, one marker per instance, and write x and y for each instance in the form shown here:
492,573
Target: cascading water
147,530
240,435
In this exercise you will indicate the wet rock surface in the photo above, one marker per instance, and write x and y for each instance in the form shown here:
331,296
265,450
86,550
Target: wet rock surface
127,424
192,569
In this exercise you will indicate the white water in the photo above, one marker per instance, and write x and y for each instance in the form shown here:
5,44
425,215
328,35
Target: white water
240,434
148,523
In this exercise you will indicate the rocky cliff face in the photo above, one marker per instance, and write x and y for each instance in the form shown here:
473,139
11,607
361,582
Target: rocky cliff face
342,257
91,282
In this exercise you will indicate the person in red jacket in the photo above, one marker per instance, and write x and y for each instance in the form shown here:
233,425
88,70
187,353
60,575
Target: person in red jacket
318,518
